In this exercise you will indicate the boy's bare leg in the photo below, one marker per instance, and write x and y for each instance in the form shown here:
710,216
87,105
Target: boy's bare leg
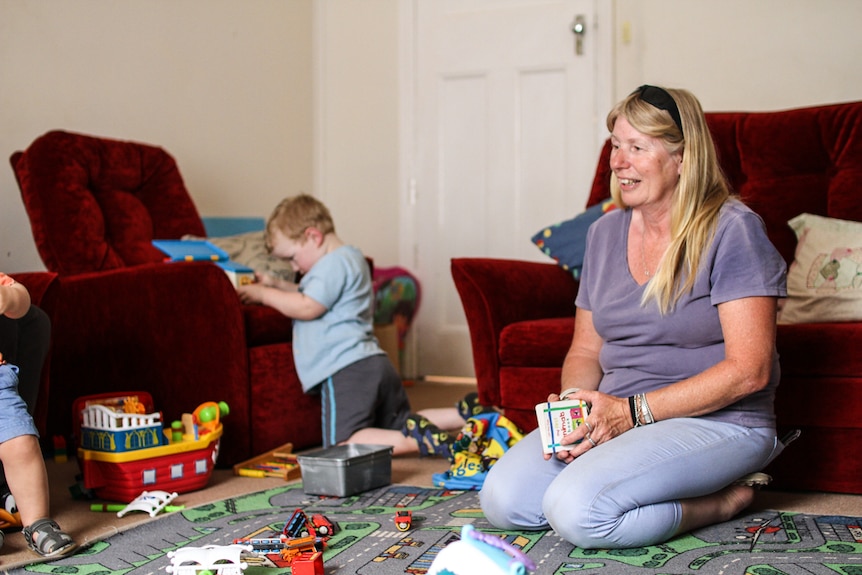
26,477
401,445
446,418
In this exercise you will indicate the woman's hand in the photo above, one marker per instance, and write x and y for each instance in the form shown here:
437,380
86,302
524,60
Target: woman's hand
609,417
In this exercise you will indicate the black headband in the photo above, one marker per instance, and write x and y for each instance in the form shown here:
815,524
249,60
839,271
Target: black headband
660,98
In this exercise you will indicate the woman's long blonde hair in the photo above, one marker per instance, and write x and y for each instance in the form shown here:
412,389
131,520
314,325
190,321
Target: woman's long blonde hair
700,193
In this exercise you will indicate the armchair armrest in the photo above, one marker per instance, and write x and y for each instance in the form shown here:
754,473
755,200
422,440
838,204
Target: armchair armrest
38,284
499,292
175,330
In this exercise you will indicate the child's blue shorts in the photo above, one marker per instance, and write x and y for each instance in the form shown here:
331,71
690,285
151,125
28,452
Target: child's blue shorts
15,420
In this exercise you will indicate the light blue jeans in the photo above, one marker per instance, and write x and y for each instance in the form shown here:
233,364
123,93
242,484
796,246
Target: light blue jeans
625,492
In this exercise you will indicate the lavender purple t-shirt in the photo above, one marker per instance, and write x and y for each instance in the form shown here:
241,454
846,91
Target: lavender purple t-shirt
644,350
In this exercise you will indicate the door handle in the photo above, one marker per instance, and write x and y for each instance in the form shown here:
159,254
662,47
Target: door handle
579,29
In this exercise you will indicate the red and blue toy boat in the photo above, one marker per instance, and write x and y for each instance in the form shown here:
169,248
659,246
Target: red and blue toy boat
125,451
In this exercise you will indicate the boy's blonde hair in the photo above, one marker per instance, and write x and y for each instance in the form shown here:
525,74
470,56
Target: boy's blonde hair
292,216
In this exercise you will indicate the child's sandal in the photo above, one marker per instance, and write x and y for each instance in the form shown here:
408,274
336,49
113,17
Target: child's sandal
46,538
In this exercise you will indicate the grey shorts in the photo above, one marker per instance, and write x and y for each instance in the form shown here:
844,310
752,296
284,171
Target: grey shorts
15,420
368,393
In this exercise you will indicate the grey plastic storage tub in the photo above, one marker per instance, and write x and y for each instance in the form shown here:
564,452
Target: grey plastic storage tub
344,470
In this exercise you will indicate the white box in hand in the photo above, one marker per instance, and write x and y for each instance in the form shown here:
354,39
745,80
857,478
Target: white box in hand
558,419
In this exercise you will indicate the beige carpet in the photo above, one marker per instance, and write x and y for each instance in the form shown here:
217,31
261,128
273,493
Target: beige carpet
87,526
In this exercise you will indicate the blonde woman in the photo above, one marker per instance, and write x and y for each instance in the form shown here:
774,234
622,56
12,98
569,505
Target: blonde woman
674,349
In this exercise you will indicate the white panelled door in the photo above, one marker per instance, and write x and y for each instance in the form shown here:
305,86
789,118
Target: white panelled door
509,116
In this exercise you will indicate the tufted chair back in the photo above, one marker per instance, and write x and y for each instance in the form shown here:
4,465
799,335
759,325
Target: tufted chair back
96,204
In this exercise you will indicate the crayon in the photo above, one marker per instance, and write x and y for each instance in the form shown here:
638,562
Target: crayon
259,473
270,467
285,455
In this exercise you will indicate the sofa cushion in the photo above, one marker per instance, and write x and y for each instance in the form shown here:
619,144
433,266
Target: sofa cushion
249,249
536,343
824,283
566,241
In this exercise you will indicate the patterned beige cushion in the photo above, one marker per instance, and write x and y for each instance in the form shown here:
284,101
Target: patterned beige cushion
824,283
249,249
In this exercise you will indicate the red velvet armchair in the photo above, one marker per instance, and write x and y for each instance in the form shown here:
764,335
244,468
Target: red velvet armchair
124,320
521,314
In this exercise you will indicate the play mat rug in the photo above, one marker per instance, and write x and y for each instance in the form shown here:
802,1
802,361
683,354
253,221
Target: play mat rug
366,540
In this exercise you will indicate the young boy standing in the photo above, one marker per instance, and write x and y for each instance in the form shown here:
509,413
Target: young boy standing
335,351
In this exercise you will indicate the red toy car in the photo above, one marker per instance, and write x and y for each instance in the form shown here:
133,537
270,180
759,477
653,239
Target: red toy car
322,526
403,520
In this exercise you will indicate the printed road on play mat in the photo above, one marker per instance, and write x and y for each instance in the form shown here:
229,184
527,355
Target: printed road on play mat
366,540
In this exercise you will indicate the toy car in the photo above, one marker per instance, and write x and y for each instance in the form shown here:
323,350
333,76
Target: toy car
403,520
322,526
297,525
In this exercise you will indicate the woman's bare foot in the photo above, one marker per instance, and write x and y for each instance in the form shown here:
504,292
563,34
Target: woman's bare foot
716,507
737,497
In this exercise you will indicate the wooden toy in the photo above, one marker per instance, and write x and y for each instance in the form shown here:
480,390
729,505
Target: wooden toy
280,462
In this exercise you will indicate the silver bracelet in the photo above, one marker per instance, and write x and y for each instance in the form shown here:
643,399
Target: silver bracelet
644,410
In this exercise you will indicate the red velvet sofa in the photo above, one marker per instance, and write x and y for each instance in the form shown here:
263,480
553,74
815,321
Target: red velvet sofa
123,320
521,314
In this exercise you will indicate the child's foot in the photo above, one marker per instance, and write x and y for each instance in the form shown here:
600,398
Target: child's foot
470,406
9,516
431,439
46,538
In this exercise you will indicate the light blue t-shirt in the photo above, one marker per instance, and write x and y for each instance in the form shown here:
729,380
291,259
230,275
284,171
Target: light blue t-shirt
344,334
644,350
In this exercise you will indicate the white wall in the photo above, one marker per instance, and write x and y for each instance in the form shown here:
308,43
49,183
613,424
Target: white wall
227,87
742,54
224,85
357,111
